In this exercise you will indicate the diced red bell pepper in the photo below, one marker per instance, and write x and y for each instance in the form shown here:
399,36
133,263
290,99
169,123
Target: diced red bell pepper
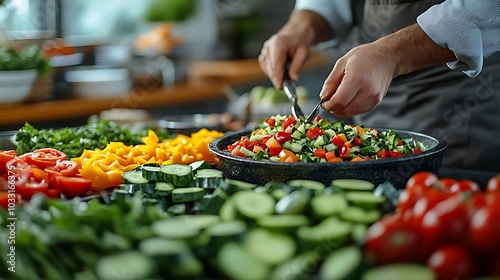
344,152
317,119
395,154
320,153
337,141
274,151
330,155
400,142
358,141
289,121
367,158
271,122
266,137
417,151
382,153
282,137
314,132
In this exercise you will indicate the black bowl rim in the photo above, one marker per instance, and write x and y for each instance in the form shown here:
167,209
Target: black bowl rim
441,147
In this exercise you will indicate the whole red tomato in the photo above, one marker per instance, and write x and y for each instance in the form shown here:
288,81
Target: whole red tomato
493,184
415,188
422,178
446,183
426,203
446,223
494,266
465,185
392,239
452,262
484,229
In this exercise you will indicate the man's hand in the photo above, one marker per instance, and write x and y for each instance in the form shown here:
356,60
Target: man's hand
293,41
360,79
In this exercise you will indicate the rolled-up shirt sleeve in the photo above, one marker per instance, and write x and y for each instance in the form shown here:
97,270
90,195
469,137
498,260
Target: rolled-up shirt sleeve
336,12
469,28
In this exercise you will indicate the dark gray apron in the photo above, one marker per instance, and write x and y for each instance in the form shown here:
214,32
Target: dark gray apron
437,101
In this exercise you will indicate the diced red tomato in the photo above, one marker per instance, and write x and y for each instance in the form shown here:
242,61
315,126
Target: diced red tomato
317,119
314,132
344,152
266,137
236,151
282,137
417,151
274,151
271,122
358,141
400,142
382,153
394,154
288,156
330,155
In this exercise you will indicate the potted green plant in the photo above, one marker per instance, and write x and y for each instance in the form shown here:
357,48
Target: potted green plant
18,71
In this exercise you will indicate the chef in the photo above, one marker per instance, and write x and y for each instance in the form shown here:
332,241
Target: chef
428,66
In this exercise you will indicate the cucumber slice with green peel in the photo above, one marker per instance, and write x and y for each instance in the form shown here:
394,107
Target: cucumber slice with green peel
202,221
366,200
199,165
353,185
120,194
228,211
177,209
398,271
359,233
359,215
133,265
300,267
177,174
164,187
330,230
215,203
140,167
342,264
327,205
151,173
187,194
271,248
294,203
132,188
134,177
226,229
157,246
237,263
279,193
175,228
209,178
283,223
315,186
232,186
253,205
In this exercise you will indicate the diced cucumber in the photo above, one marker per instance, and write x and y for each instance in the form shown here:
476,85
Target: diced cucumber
315,186
341,264
319,143
421,146
367,200
199,165
247,152
175,228
359,215
132,264
295,147
353,185
134,177
398,271
151,173
253,205
331,147
177,174
302,128
283,223
237,263
271,248
330,132
287,145
328,205
297,134
187,194
254,138
293,203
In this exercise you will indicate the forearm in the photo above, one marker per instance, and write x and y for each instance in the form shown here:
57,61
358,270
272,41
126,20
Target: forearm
308,25
413,50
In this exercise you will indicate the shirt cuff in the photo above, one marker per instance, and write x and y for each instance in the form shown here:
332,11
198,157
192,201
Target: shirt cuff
337,13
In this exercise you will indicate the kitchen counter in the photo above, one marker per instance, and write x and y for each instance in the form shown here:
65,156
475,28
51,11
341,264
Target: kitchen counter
205,80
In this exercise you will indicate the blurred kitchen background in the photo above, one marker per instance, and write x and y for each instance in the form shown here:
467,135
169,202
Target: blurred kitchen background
101,52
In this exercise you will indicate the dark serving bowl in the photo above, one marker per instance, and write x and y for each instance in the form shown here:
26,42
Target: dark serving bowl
394,170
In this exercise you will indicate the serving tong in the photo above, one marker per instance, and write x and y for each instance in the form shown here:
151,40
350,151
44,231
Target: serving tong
314,112
289,88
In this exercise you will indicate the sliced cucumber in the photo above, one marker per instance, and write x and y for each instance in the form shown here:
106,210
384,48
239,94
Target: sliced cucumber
157,246
330,230
209,178
228,211
300,267
175,228
177,174
283,223
366,200
132,188
151,173
199,165
353,185
134,177
359,233
294,203
187,194
271,248
120,194
237,263
140,167
215,203
327,205
254,205
164,188
315,186
202,221
227,229
231,186
359,215
341,264
398,271
177,209
132,264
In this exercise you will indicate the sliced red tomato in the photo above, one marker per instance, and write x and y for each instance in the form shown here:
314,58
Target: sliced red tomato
44,157
6,156
66,168
452,262
73,186
54,193
16,165
30,181
52,178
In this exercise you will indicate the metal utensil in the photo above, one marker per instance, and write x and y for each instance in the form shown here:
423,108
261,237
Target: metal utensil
289,88
314,112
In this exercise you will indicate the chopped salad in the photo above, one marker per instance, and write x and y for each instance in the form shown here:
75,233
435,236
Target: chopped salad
286,139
